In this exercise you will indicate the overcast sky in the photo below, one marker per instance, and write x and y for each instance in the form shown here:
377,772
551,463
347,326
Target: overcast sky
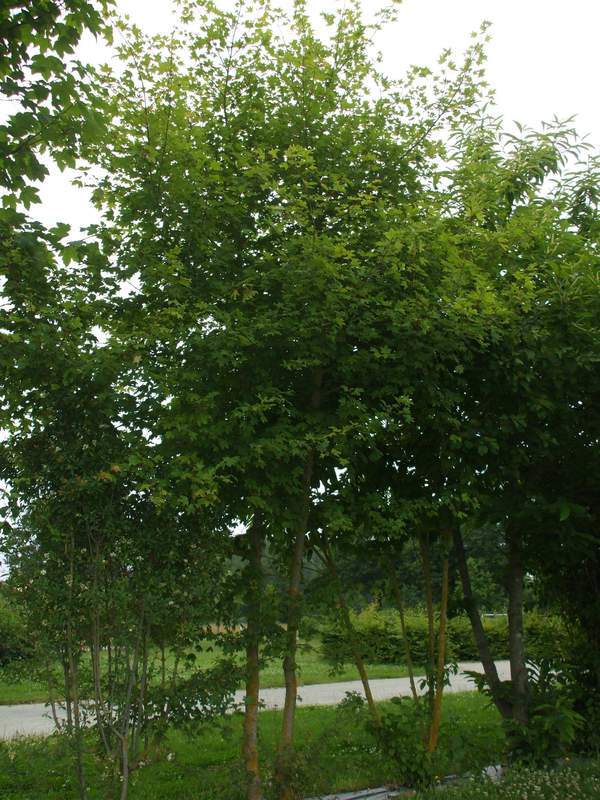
544,59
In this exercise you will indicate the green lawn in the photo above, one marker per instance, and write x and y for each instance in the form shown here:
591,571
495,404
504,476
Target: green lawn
313,669
336,752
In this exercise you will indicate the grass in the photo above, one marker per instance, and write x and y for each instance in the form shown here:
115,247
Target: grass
21,691
313,669
335,750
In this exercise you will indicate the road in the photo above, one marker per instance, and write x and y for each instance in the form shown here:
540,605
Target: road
34,718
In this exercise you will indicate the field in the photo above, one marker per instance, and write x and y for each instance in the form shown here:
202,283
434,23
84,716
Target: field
313,669
336,752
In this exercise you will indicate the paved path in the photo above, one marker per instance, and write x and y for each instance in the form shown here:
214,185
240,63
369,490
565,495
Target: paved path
34,718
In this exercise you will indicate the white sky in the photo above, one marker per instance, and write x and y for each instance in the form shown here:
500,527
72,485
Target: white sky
544,59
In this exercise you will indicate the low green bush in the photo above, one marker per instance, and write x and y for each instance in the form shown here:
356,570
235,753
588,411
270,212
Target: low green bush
398,736
14,641
380,635
580,781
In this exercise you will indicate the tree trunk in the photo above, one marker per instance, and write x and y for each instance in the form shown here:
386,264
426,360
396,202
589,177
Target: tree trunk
124,767
75,718
99,705
251,700
126,714
436,715
286,742
405,641
483,648
72,679
293,619
351,631
426,567
397,591
516,643
140,717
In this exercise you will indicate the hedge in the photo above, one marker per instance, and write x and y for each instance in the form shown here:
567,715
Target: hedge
381,641
14,642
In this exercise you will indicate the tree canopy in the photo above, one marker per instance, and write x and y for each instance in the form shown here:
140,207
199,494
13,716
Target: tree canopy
324,314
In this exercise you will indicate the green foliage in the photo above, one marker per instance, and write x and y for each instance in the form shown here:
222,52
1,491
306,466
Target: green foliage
20,687
15,644
580,677
337,301
554,725
553,721
400,737
381,638
576,781
337,751
58,108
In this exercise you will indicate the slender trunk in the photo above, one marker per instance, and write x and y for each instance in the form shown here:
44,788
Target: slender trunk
109,667
293,617
139,721
352,635
125,731
426,567
436,717
397,591
52,696
77,726
294,587
169,686
166,708
68,698
95,650
96,674
251,700
483,648
124,767
174,676
286,741
516,643
72,679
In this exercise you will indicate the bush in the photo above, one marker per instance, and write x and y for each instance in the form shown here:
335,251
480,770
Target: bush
399,739
553,721
14,641
576,782
380,635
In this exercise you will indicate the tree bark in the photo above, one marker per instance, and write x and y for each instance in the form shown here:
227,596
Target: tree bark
405,641
293,616
99,706
251,700
436,716
426,566
286,742
351,631
72,679
295,582
483,648
516,643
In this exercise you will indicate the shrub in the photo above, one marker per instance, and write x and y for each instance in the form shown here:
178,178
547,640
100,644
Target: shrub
14,641
553,720
399,739
577,782
381,637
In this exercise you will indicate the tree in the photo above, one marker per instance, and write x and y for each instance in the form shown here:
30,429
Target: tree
522,386
55,103
264,199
